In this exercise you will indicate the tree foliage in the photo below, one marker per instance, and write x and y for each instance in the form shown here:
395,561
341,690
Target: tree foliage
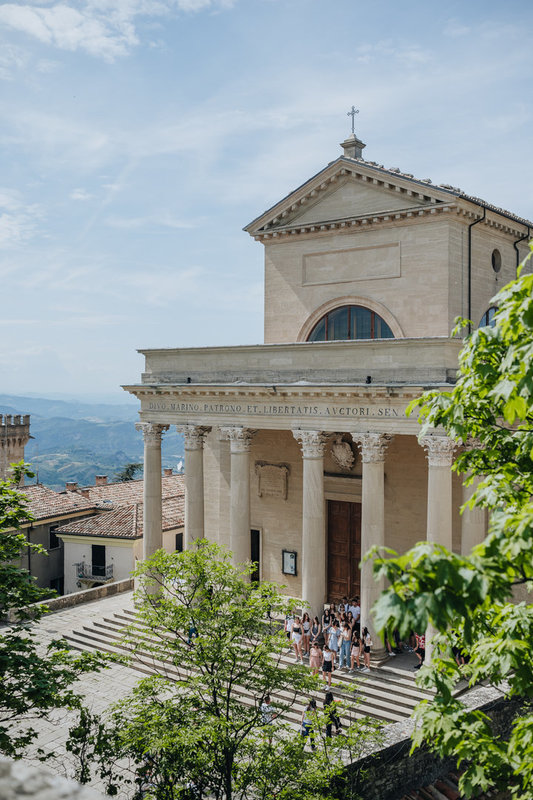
210,635
129,471
472,600
31,681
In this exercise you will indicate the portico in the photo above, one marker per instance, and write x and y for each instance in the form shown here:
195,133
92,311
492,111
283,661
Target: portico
316,468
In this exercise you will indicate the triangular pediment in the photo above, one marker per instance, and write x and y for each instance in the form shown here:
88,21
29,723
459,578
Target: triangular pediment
347,189
350,197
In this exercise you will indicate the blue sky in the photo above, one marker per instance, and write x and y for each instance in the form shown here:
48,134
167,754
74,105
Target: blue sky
138,137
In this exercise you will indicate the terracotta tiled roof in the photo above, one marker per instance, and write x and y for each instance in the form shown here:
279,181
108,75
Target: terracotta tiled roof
126,522
44,502
130,492
446,788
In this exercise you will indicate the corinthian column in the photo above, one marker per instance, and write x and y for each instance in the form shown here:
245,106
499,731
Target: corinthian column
439,451
373,447
152,530
313,520
240,440
194,481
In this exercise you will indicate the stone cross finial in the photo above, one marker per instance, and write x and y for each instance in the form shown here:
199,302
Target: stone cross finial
352,114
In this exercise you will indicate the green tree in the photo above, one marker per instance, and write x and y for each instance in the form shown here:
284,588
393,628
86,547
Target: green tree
31,681
473,599
129,471
211,636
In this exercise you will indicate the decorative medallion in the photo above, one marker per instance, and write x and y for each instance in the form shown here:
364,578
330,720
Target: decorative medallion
342,454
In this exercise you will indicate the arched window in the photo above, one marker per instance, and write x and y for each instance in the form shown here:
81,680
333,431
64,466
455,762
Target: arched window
488,318
350,322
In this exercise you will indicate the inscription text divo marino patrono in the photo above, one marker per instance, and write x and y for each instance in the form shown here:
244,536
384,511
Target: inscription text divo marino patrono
275,409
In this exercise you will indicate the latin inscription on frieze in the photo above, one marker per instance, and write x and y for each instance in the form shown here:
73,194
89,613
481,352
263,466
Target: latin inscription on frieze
274,409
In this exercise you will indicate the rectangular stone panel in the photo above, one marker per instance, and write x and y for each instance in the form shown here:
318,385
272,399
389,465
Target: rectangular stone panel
355,264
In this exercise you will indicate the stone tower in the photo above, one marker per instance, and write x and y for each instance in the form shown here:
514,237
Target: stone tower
14,435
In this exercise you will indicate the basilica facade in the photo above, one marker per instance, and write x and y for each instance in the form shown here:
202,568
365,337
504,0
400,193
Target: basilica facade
299,455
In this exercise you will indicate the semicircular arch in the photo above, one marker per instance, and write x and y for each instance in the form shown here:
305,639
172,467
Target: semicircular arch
350,300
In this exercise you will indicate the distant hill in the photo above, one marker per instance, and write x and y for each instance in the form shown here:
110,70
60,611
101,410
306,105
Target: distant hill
71,409
76,441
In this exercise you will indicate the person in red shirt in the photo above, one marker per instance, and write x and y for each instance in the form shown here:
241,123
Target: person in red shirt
420,649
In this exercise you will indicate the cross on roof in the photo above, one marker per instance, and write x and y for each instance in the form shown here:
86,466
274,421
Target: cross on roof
352,114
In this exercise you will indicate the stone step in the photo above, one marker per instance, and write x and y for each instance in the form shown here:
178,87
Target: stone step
405,696
107,636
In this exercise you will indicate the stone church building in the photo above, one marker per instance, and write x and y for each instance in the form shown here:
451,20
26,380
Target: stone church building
298,453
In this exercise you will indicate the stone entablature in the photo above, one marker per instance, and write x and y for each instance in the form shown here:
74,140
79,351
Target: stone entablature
380,409
386,361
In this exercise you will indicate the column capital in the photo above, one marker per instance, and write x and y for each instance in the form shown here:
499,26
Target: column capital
439,449
240,439
151,431
311,442
372,446
193,435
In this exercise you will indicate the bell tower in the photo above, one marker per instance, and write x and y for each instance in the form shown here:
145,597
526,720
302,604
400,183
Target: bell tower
14,435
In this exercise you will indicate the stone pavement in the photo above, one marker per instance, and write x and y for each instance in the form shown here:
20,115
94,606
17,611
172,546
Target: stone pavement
101,689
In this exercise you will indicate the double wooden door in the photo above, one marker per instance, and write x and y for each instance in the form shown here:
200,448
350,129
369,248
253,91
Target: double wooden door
344,550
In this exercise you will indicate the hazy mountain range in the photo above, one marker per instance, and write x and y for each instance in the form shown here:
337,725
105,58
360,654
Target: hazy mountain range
74,441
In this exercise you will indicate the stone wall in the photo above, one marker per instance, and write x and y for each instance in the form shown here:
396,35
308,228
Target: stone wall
393,772
76,599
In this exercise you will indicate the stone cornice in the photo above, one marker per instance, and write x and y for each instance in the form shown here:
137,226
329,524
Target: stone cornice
277,220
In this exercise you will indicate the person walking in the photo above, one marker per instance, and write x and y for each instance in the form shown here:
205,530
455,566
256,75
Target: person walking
267,717
367,644
308,722
330,711
315,658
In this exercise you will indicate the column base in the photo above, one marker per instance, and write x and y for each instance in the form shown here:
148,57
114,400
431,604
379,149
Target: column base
379,656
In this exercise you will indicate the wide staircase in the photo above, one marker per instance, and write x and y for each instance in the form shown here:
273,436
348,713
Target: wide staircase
386,693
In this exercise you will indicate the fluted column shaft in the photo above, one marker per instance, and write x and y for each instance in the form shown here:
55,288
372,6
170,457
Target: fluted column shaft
240,443
440,451
373,447
473,520
152,502
194,482
313,566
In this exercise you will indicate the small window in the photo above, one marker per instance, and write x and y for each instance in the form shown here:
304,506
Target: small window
487,320
496,260
350,322
53,540
179,543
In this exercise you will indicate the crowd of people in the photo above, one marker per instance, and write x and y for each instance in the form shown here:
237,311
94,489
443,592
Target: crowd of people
334,642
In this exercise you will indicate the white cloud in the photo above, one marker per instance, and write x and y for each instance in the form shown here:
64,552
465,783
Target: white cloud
102,28
164,220
18,221
80,194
